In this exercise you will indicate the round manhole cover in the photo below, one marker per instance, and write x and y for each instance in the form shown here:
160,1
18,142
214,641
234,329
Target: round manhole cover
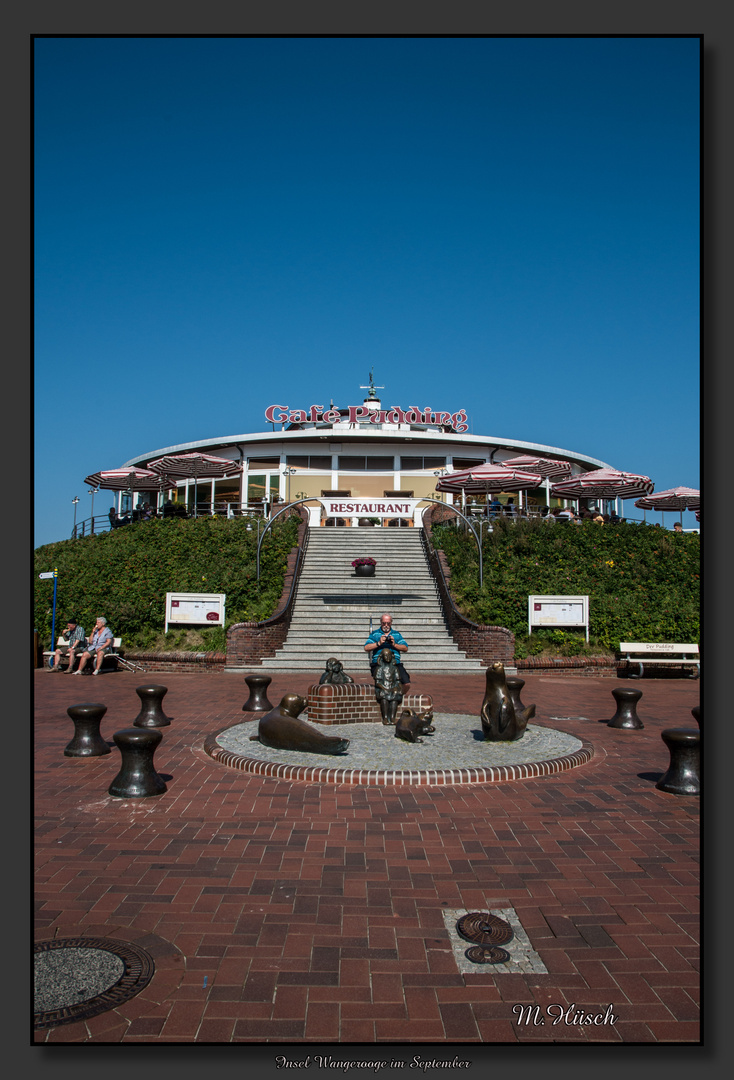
493,955
77,978
481,928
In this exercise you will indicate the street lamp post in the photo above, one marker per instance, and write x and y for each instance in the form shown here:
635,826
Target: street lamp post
75,500
93,491
288,471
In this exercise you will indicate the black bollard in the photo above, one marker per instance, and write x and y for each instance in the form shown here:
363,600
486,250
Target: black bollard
258,699
696,713
151,714
683,775
87,741
626,714
137,779
514,686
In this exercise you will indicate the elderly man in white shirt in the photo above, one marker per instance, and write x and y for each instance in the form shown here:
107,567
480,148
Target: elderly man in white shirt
99,643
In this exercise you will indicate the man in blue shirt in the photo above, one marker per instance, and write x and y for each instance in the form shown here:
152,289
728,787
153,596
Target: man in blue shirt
394,640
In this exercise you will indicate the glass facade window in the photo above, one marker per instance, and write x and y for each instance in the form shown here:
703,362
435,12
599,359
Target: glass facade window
422,462
263,463
467,463
309,461
367,464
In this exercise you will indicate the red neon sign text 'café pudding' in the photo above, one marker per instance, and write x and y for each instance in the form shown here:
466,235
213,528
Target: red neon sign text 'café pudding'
281,414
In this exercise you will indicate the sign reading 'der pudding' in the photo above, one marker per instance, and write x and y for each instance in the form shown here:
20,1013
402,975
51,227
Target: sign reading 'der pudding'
282,414
369,507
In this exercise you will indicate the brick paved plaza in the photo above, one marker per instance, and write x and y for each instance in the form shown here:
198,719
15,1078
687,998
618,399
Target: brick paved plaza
311,916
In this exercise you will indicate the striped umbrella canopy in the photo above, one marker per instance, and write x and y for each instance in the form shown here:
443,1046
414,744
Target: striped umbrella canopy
678,498
130,479
547,467
603,484
194,467
488,479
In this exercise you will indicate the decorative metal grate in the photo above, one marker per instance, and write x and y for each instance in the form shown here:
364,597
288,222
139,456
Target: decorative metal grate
481,928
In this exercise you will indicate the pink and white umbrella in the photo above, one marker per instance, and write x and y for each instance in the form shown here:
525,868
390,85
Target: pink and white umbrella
195,467
486,479
129,479
678,498
604,484
546,467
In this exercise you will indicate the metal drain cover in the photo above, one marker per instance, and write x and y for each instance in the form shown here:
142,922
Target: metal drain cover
481,928
493,955
78,978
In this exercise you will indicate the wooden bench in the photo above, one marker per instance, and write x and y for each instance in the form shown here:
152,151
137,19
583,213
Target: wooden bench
659,654
113,654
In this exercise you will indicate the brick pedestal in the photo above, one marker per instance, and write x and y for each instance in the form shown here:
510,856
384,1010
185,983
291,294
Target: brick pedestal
354,703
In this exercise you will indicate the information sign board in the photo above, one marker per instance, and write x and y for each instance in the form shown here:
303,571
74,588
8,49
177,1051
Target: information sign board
558,611
196,609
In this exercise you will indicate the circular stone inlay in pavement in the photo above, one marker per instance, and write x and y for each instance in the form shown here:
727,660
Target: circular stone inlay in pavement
77,978
456,754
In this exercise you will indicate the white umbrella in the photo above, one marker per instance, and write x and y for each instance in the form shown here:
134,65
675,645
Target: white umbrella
195,467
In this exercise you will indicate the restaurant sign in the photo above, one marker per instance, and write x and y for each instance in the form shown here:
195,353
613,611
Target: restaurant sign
283,414
381,508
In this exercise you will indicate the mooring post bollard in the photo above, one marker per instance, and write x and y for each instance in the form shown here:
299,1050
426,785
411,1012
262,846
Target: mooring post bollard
696,713
514,686
151,714
137,778
683,775
258,699
626,714
87,741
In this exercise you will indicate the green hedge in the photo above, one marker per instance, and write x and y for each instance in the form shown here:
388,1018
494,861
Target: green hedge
125,574
642,581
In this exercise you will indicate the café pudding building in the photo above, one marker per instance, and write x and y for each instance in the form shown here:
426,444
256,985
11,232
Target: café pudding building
360,461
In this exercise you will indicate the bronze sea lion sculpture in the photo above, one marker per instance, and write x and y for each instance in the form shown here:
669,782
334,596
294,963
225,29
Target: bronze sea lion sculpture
282,730
501,721
411,725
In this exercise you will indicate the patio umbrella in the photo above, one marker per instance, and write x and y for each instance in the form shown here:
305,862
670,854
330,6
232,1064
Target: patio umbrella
603,484
195,466
130,479
547,468
678,498
487,479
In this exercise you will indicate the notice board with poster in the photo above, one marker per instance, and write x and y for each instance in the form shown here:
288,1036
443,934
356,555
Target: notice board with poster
195,609
558,611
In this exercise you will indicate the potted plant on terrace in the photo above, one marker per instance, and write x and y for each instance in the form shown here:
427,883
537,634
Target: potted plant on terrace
364,567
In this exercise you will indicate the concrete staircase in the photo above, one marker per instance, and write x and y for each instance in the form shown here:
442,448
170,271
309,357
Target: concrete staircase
333,607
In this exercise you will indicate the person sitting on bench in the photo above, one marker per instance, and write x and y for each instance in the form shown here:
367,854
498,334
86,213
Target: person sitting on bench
101,641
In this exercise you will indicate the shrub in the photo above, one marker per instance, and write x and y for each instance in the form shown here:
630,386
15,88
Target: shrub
643,583
125,574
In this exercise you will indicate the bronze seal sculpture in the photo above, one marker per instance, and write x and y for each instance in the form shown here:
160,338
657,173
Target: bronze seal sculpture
501,721
411,725
282,730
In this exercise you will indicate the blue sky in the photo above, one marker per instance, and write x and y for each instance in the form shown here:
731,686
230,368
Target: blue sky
509,225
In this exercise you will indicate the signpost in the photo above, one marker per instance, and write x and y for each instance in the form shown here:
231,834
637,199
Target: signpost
558,611
55,575
202,609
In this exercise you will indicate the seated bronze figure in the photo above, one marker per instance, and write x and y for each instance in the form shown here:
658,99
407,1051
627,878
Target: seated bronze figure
388,688
335,674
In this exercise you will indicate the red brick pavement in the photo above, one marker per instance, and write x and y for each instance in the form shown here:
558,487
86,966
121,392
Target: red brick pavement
279,912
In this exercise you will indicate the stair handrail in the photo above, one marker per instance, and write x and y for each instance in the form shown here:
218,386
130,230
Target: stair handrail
261,537
440,502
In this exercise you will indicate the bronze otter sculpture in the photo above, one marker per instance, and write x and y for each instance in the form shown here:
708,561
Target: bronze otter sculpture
282,730
501,721
410,725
